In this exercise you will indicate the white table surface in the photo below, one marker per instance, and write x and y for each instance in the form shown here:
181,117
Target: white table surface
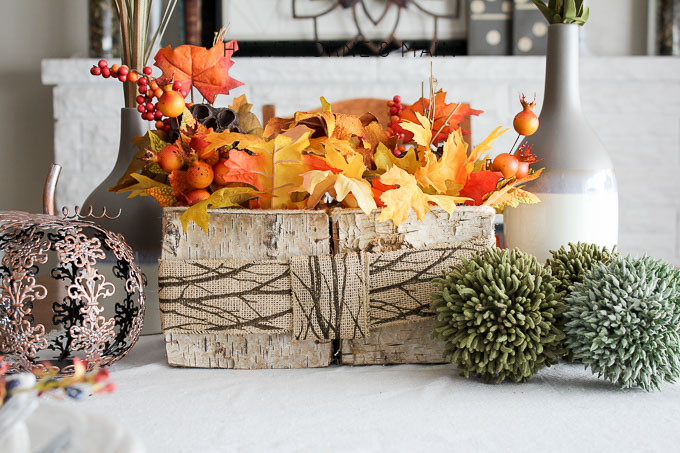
377,408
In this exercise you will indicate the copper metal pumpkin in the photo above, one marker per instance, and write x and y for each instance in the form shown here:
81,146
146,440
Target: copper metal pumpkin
84,265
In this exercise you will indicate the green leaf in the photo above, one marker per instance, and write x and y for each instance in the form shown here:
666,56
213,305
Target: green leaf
143,183
226,197
569,9
156,169
544,9
156,144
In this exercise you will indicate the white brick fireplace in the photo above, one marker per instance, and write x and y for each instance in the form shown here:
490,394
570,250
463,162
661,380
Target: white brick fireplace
632,102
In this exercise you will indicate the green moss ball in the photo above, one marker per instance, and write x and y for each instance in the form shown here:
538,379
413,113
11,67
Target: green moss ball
623,322
497,314
570,264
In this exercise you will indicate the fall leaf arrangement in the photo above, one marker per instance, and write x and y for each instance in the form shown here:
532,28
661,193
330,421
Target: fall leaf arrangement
48,382
315,160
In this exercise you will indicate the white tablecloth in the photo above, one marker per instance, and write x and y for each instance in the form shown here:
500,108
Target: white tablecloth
376,408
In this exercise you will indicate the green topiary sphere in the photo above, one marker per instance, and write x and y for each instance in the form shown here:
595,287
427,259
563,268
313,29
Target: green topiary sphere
569,266
497,314
623,322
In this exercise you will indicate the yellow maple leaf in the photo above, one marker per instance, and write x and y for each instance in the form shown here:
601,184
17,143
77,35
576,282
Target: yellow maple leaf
325,105
361,190
339,185
317,183
400,201
247,120
510,194
422,133
222,198
385,159
147,187
217,140
318,145
441,174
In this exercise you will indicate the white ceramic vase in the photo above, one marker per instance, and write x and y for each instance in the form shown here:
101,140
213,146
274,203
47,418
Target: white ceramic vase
578,190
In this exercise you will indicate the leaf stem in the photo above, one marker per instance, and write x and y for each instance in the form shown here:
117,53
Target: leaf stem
446,121
514,144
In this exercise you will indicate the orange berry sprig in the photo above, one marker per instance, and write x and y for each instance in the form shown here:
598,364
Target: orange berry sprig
526,122
154,101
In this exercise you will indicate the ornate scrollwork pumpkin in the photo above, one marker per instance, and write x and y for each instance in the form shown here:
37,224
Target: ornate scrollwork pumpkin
84,315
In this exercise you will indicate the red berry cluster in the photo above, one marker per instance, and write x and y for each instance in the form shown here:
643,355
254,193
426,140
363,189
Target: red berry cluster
120,72
395,108
147,87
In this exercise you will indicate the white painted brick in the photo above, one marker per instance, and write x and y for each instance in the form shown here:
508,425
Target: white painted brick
635,127
648,186
648,230
67,140
642,69
101,131
634,98
627,153
73,102
321,69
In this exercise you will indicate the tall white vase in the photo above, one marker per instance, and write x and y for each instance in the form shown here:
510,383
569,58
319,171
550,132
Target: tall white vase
578,191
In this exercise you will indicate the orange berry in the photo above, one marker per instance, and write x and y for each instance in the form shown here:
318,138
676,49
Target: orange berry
159,124
133,77
197,195
171,104
526,122
115,68
158,93
153,85
507,164
170,159
220,171
200,175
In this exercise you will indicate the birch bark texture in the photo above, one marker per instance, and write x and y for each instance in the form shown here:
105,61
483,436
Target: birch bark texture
246,235
394,319
401,322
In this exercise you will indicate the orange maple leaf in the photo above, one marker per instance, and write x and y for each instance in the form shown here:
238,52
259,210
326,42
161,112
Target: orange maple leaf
442,110
179,184
479,184
378,189
273,167
205,69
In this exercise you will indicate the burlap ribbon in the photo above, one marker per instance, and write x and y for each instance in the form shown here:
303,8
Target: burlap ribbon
316,297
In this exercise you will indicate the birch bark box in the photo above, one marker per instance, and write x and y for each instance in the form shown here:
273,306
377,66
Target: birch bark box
402,262
273,289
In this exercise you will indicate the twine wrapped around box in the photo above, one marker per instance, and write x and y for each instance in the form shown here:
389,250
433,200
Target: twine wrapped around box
312,297
283,305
